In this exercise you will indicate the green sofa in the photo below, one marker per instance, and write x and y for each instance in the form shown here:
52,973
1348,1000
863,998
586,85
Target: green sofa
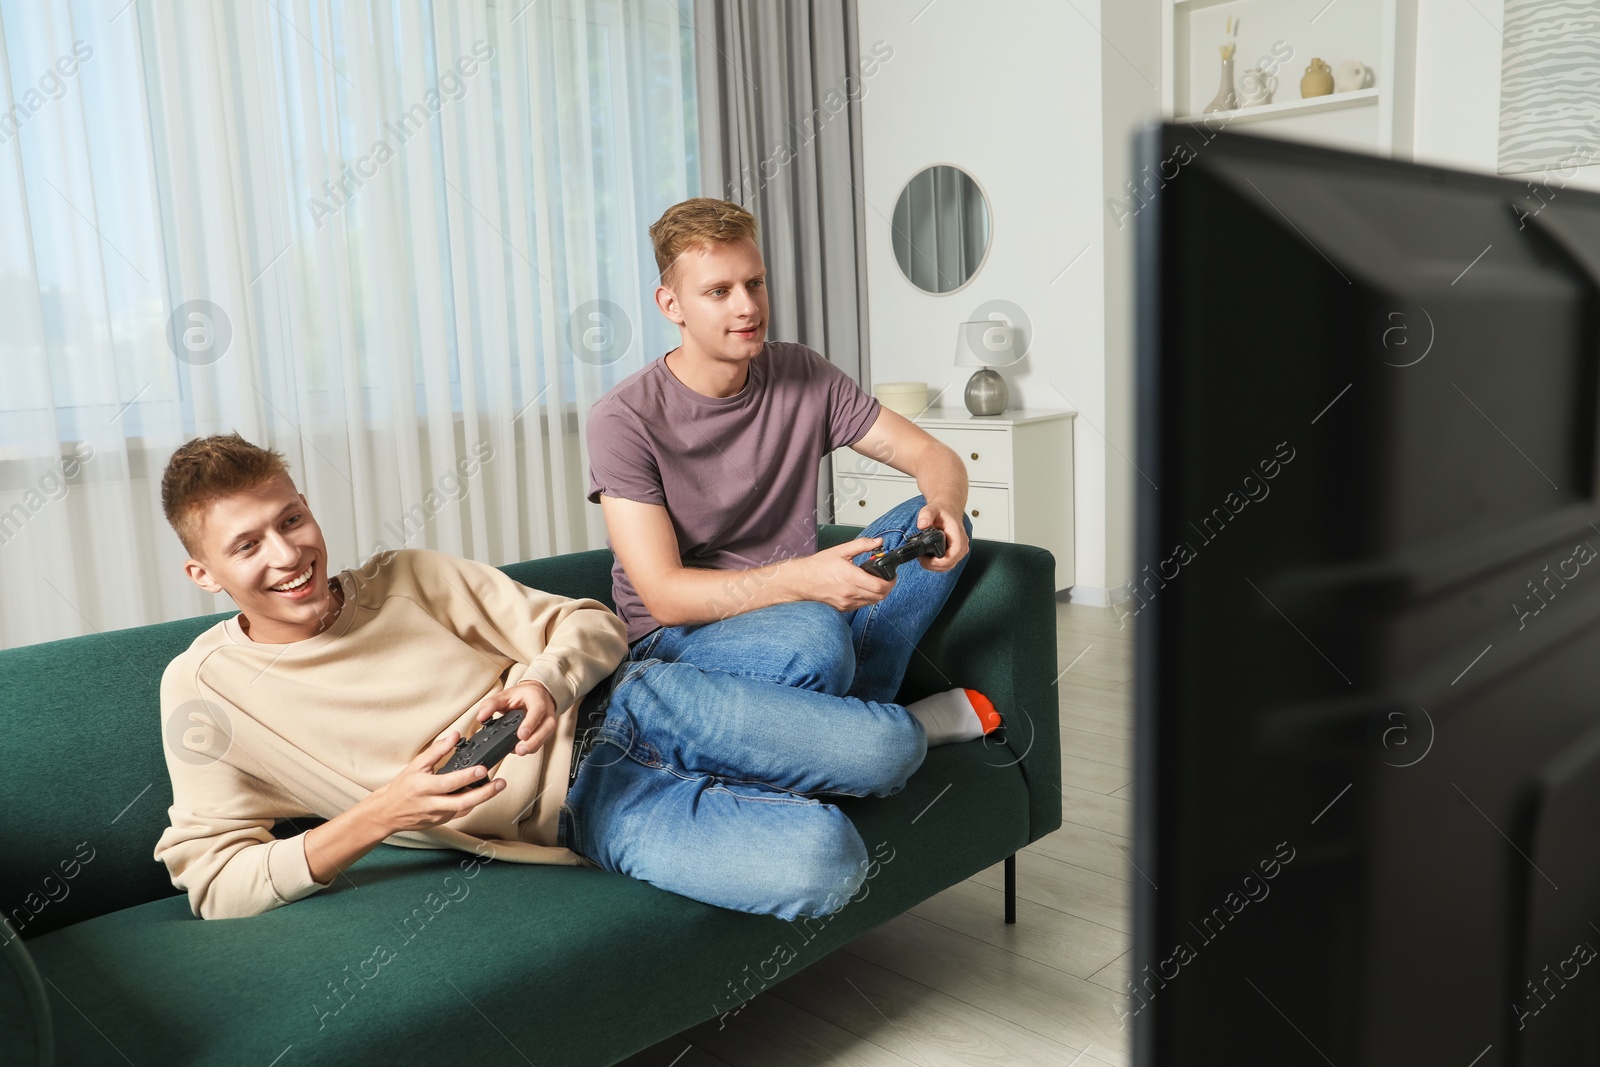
430,956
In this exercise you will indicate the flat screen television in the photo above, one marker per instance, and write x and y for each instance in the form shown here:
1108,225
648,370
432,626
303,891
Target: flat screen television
1366,611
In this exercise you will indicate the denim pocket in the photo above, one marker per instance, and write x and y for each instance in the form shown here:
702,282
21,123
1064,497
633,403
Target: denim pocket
642,648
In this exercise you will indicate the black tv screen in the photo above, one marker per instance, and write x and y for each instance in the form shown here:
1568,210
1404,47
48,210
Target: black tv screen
1366,612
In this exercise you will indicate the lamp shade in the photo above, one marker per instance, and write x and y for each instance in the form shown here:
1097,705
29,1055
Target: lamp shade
988,343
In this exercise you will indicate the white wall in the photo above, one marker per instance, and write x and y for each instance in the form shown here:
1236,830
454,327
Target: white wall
1458,92
1457,117
1011,93
1130,75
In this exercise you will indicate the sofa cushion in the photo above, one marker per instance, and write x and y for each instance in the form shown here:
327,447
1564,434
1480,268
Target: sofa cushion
576,574
569,966
85,787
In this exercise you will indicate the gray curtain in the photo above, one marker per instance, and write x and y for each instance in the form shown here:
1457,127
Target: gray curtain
779,85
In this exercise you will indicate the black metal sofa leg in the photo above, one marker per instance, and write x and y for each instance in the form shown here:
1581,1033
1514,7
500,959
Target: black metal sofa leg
1011,889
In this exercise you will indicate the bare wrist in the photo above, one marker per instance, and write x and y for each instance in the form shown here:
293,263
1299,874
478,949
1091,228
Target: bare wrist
370,818
789,579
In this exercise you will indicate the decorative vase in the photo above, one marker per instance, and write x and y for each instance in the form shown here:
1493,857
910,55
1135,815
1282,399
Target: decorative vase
1318,80
1256,87
1226,99
1352,75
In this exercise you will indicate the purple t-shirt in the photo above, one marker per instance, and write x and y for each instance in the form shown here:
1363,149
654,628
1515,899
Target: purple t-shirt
737,474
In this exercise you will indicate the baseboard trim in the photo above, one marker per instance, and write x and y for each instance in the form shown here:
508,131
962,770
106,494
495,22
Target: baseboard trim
1092,596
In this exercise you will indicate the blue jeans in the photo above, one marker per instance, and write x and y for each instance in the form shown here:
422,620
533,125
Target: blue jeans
703,783
862,653
719,738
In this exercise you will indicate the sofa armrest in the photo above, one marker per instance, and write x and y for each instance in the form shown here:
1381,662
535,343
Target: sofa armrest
997,634
24,1005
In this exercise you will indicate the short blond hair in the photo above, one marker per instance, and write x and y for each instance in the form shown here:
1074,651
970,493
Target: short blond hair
207,469
696,224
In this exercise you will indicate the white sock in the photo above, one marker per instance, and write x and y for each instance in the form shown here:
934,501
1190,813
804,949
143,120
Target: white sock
957,715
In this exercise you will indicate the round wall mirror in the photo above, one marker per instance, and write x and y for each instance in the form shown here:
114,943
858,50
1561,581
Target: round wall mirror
941,229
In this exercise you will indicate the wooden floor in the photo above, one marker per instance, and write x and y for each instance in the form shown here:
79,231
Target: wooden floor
949,983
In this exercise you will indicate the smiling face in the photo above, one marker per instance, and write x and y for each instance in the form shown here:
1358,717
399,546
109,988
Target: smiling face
262,547
718,295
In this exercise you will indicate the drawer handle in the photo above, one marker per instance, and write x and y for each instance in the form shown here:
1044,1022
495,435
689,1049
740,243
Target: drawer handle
974,512
861,503
974,455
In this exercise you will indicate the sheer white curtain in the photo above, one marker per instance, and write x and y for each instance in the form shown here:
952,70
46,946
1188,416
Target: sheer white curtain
404,244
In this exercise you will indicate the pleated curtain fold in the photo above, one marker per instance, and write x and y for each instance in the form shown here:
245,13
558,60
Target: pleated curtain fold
780,89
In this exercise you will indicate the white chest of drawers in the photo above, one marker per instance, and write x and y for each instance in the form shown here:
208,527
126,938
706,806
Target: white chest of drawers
1019,466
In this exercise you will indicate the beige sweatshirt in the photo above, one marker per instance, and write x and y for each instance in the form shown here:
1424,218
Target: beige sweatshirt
256,733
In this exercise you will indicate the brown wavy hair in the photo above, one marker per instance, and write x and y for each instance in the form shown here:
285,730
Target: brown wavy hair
696,224
207,469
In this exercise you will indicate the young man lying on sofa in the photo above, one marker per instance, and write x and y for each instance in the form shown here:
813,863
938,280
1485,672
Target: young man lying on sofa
337,696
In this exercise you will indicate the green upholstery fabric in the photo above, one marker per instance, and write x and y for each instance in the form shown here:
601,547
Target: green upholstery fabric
25,1018
576,574
572,966
83,767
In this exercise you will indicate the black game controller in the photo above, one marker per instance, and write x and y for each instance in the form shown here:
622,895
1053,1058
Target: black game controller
883,563
486,748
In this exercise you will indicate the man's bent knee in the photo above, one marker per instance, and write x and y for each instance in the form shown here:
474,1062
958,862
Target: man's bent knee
832,869
898,747
817,652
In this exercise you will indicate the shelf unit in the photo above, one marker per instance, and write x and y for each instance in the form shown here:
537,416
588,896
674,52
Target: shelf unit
1378,33
1285,108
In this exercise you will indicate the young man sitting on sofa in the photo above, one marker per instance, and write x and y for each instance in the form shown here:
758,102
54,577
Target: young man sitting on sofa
337,696
705,464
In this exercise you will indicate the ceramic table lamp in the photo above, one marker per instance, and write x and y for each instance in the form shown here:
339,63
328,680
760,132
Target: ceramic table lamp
986,345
